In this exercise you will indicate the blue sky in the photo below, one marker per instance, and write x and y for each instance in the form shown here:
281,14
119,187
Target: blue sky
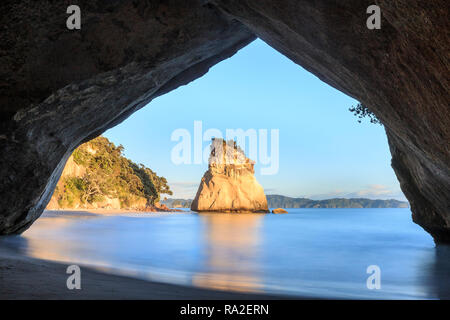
323,151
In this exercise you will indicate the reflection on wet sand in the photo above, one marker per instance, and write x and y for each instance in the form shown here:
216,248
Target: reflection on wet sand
54,237
241,252
232,248
41,242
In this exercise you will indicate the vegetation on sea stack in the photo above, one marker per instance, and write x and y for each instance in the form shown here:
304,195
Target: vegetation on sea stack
106,173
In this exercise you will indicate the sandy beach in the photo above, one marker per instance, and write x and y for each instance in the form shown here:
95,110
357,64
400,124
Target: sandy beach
23,277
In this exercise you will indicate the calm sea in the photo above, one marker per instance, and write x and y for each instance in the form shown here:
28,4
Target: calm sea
307,252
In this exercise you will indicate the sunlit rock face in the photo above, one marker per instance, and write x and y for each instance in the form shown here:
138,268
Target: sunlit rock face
229,184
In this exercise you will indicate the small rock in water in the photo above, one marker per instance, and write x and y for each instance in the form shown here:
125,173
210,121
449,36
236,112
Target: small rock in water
279,210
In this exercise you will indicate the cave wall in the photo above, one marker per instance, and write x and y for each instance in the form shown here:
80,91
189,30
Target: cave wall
61,87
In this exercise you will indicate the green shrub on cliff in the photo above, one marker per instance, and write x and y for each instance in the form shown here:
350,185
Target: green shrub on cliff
107,173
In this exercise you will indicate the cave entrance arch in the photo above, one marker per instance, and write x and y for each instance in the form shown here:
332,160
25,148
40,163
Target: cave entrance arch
323,151
63,87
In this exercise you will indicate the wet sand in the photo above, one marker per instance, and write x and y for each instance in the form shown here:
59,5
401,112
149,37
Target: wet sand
22,277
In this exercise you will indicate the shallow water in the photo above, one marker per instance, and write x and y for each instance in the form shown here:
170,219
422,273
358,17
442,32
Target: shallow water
308,252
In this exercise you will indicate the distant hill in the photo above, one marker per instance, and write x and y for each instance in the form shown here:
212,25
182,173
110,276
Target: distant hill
278,201
177,203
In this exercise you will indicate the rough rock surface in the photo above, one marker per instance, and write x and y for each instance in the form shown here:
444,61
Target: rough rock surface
229,184
59,88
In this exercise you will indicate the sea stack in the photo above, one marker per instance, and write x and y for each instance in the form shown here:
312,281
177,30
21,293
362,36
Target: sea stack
229,184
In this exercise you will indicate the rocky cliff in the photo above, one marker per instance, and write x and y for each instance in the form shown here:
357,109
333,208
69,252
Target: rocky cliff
97,175
229,184
64,197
